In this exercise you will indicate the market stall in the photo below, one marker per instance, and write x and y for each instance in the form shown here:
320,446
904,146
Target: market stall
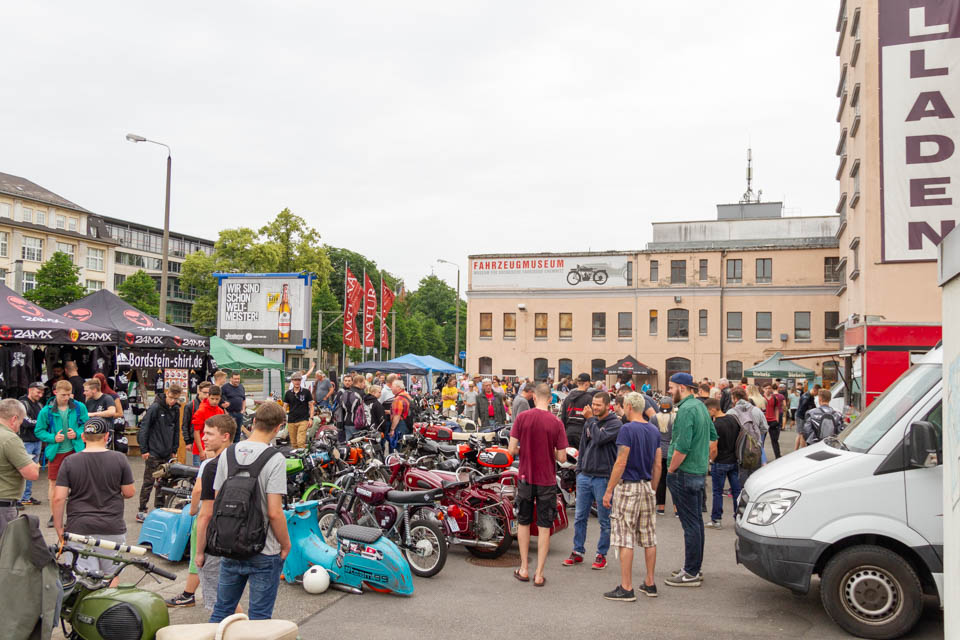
776,367
229,356
630,368
430,364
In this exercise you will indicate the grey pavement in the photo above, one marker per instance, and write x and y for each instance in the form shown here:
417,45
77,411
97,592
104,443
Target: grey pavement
470,601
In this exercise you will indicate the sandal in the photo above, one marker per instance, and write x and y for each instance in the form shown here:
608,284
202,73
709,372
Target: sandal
542,582
516,574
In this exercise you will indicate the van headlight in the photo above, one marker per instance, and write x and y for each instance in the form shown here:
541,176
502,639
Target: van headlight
771,506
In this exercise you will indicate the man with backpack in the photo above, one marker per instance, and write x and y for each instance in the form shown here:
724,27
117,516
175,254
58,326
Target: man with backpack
753,427
808,402
248,530
820,423
572,409
725,462
349,415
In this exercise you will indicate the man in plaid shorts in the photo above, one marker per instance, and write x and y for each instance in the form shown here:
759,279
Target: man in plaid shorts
633,501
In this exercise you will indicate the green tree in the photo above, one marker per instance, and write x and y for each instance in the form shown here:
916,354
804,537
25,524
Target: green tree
58,283
197,272
140,291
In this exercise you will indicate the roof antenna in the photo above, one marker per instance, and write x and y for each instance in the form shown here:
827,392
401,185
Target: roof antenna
748,194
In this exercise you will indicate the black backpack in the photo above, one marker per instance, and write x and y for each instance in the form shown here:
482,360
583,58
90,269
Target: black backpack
238,528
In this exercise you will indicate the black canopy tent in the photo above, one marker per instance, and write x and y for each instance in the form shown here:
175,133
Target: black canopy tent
632,366
23,322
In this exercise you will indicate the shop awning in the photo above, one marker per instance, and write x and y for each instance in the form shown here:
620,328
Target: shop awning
776,367
230,356
23,322
631,365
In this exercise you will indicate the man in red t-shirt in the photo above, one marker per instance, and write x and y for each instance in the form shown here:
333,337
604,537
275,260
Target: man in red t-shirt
539,438
206,410
774,416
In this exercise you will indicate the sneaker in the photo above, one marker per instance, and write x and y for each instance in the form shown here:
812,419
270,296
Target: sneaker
30,502
575,558
674,574
599,562
50,523
182,600
659,511
649,590
141,516
621,595
684,579
714,524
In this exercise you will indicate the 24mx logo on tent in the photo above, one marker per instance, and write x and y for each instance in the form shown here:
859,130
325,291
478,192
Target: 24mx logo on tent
23,306
79,314
138,318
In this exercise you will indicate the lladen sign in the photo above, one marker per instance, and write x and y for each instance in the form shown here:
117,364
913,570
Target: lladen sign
919,130
270,310
551,272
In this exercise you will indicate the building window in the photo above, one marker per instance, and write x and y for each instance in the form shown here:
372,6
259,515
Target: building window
4,210
734,271
830,272
118,279
539,369
653,322
4,247
831,320
765,270
486,325
95,259
734,325
703,270
801,325
69,249
764,326
71,224
540,326
3,276
32,249
734,371
625,324
509,326
703,322
629,273
566,326
41,218
94,285
486,366
27,214
565,368
29,281
509,373
597,368
678,272
678,324
654,271
599,324
677,365
61,222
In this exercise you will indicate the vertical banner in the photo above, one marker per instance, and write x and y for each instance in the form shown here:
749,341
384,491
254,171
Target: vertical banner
386,303
369,312
350,307
919,131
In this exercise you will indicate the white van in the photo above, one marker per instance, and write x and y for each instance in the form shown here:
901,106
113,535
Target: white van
862,510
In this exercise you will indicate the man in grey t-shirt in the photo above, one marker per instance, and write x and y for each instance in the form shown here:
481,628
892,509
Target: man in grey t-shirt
523,400
262,570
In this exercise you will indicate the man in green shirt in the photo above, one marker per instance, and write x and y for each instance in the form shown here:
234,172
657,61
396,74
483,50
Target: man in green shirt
694,439
16,465
59,426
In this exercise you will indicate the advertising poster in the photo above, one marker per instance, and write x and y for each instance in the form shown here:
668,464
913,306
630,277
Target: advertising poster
551,272
264,310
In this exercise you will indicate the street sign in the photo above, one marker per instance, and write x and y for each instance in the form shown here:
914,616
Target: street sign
463,355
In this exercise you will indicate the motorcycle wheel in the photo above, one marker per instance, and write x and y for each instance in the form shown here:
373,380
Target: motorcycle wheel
424,532
505,542
573,278
378,474
327,516
600,277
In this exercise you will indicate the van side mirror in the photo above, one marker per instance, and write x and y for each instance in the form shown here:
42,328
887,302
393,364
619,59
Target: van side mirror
922,449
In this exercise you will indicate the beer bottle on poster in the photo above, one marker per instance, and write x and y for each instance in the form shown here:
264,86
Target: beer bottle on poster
283,324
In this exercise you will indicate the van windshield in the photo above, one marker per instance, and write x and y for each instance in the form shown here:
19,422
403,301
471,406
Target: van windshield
892,405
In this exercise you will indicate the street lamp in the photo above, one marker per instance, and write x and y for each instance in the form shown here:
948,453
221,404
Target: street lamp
456,346
132,137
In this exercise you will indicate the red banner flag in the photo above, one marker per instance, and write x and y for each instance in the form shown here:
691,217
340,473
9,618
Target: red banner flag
350,306
386,302
369,312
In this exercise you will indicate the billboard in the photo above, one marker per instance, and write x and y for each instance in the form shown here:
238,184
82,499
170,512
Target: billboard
919,95
586,271
270,310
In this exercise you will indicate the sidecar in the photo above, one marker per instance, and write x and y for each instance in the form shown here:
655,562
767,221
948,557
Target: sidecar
167,532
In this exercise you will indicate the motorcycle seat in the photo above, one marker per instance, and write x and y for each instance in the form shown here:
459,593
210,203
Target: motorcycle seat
448,449
239,630
414,497
177,470
357,533
455,485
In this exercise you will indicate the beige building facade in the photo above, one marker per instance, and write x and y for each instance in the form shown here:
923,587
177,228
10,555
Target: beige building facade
708,297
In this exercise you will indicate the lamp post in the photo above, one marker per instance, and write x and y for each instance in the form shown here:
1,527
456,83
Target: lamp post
456,346
165,248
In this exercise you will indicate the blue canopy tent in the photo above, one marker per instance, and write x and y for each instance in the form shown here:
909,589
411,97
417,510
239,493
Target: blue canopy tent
431,364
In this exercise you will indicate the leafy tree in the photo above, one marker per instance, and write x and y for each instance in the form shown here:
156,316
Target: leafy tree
197,272
58,283
140,291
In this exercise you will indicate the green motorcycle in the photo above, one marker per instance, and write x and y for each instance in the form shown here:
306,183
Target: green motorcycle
92,609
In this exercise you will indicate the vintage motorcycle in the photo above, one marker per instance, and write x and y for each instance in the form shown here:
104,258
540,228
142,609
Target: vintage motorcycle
586,273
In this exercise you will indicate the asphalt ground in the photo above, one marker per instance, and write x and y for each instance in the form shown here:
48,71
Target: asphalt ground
469,601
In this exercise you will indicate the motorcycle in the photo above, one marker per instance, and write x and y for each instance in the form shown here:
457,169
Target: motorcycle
166,529
586,273
377,504
174,482
362,556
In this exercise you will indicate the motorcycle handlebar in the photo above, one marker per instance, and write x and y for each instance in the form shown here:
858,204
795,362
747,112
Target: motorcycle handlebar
107,545
163,573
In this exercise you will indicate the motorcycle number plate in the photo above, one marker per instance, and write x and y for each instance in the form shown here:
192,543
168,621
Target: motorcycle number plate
452,523
513,527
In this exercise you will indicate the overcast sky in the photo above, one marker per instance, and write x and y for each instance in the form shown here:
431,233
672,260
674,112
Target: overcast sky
409,131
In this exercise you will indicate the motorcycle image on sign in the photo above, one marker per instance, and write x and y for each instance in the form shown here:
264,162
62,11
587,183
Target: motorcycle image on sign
586,273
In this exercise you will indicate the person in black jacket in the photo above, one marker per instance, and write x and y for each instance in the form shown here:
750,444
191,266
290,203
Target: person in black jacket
186,426
32,402
376,416
159,438
807,402
598,452
490,409
572,412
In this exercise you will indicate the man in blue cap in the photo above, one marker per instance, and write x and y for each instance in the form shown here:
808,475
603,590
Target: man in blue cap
692,444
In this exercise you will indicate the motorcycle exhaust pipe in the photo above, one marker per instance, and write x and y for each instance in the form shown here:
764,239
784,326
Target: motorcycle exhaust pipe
346,588
472,543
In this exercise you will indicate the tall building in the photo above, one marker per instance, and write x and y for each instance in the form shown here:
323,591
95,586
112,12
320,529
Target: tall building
897,171
710,297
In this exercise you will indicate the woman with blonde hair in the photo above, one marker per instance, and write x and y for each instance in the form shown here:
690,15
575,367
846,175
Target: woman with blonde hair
756,397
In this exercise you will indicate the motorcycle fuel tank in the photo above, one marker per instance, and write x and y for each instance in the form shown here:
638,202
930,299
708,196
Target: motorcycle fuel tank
495,458
373,492
120,613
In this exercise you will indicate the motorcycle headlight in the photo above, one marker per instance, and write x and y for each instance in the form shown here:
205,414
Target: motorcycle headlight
771,506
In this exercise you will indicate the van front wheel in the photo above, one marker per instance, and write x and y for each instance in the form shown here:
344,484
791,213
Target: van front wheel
871,592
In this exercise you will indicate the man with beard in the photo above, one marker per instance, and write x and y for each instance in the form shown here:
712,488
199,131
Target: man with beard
575,409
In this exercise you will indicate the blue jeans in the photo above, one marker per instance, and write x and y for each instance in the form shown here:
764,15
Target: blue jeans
590,489
196,459
719,474
687,492
34,449
263,574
